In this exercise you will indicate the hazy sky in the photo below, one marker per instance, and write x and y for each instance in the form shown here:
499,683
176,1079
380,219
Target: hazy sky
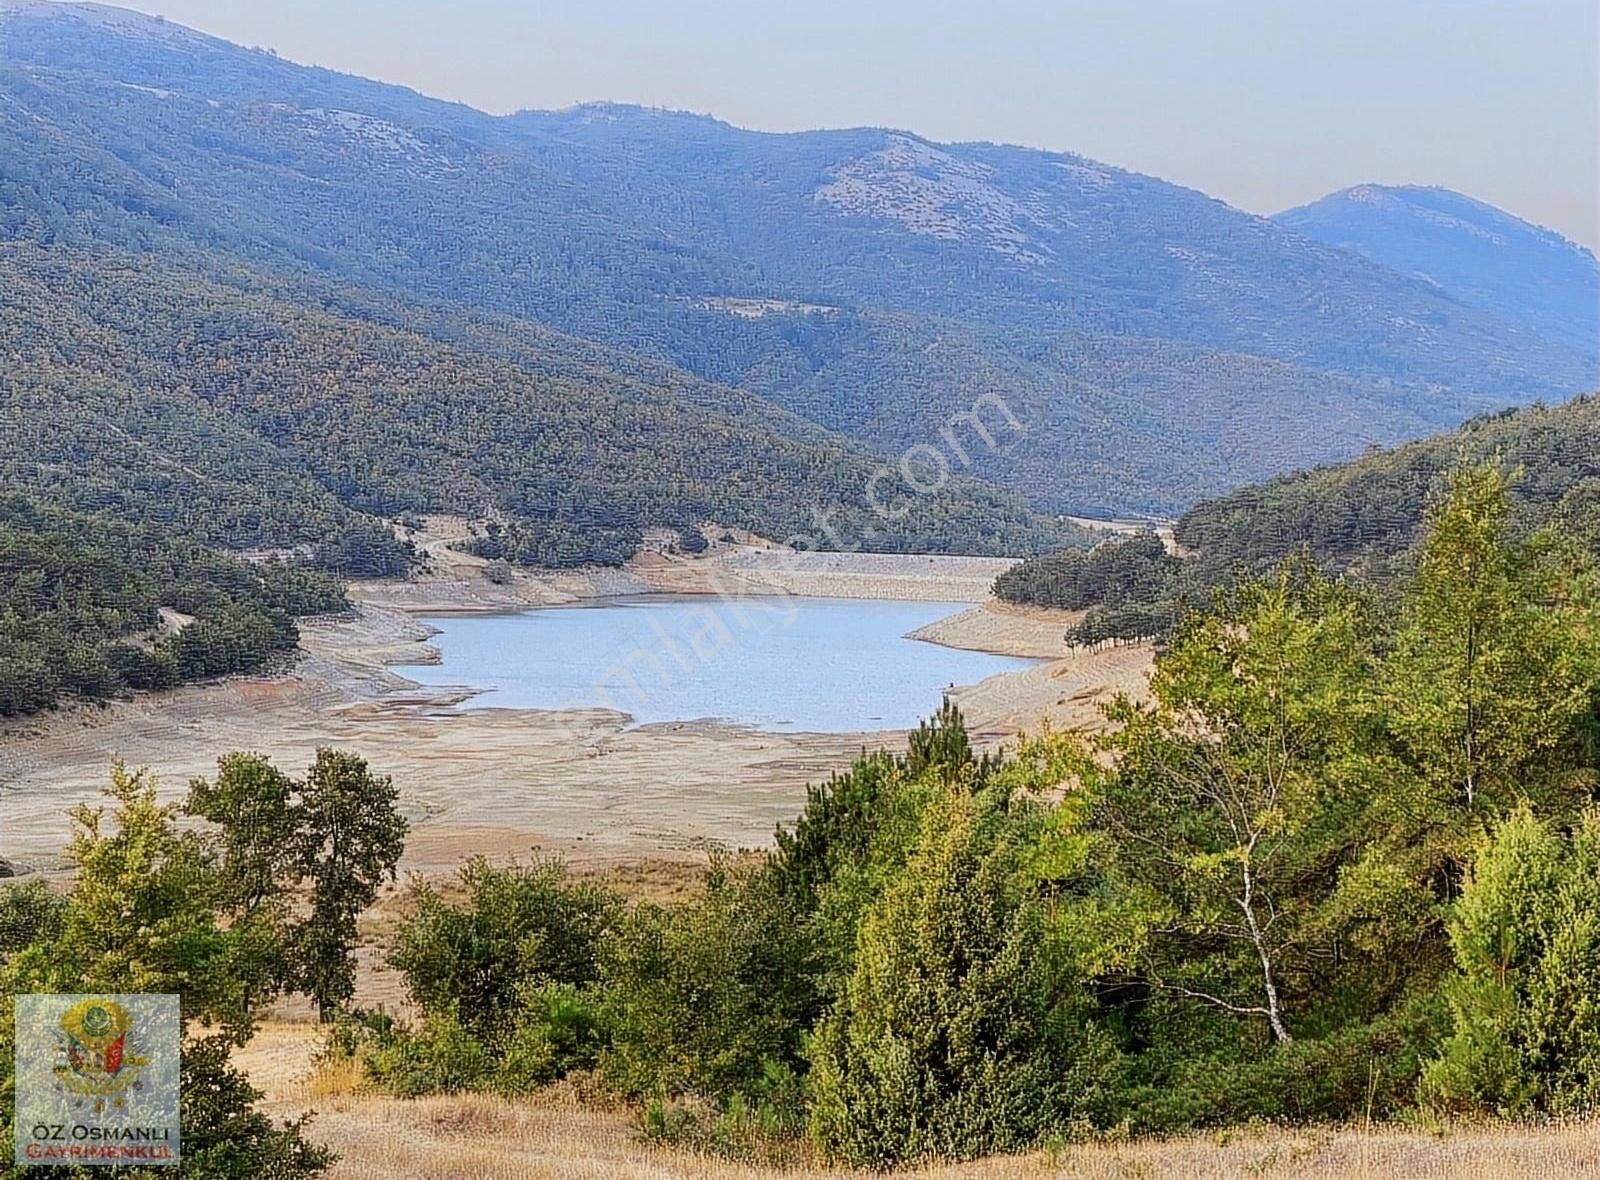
1266,103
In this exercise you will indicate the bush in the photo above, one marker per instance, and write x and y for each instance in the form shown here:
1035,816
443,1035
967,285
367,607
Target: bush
558,1030
1366,1069
1525,1003
520,928
961,1031
703,998
766,1127
30,912
441,1057
224,1137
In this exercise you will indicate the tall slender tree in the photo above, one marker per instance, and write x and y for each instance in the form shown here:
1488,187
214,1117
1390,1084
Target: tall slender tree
351,837
253,805
1491,680
1231,800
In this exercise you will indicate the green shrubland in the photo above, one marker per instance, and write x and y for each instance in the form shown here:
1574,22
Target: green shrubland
1338,865
1341,864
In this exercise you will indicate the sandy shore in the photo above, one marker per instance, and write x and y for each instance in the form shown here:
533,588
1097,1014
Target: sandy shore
504,782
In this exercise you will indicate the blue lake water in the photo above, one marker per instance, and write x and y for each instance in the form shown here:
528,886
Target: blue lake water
816,665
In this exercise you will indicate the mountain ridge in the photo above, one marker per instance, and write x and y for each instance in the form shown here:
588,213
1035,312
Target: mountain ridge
1486,255
1082,290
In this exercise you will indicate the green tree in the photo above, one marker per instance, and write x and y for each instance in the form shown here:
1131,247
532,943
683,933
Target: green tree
253,805
962,1030
351,837
1526,999
1232,797
1491,681
704,998
144,914
143,911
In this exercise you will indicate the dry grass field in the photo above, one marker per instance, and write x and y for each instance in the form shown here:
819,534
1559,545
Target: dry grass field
556,1136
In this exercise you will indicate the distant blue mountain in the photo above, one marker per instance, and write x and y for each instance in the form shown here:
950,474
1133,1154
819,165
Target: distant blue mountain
1157,345
1474,251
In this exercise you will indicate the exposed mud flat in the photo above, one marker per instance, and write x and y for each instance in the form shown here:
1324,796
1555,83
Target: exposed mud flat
581,783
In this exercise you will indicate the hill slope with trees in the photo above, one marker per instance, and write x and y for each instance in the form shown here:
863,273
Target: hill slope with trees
239,412
1119,314
82,602
1363,519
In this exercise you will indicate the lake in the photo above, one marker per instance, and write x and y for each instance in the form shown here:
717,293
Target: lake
814,665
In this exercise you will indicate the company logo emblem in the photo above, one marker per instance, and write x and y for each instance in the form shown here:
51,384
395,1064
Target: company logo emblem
101,1063
97,1079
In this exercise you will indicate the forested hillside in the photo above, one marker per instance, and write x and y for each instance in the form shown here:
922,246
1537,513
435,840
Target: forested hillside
1370,512
81,600
1363,518
229,412
870,280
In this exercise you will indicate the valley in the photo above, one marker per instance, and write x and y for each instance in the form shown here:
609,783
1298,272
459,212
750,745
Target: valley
606,641
585,784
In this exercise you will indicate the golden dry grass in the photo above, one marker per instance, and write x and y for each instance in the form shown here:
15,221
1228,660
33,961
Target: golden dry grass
557,1136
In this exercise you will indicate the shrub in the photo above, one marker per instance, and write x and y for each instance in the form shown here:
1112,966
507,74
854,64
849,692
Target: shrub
558,1030
960,1032
1349,1074
30,912
519,928
1525,1002
762,1127
701,998
440,1057
224,1137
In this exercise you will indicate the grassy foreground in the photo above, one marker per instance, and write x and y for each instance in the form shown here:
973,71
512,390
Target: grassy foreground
555,1136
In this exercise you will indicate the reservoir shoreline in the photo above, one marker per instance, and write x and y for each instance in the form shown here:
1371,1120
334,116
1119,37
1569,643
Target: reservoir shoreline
583,784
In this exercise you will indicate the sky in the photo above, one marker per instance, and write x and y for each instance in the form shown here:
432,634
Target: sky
1265,103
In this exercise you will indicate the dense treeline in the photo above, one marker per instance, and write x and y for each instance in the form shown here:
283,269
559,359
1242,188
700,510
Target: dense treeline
1130,588
1137,568
81,600
1340,865
1363,519
250,413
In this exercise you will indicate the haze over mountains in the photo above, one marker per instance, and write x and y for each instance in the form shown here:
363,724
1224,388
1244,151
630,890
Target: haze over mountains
1477,253
1153,345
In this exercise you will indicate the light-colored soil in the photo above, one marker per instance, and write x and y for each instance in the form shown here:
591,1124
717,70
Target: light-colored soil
556,1136
580,783
1004,629
1067,693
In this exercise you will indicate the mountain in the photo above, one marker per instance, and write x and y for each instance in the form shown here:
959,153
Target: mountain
1154,345
1362,518
1478,253
255,413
